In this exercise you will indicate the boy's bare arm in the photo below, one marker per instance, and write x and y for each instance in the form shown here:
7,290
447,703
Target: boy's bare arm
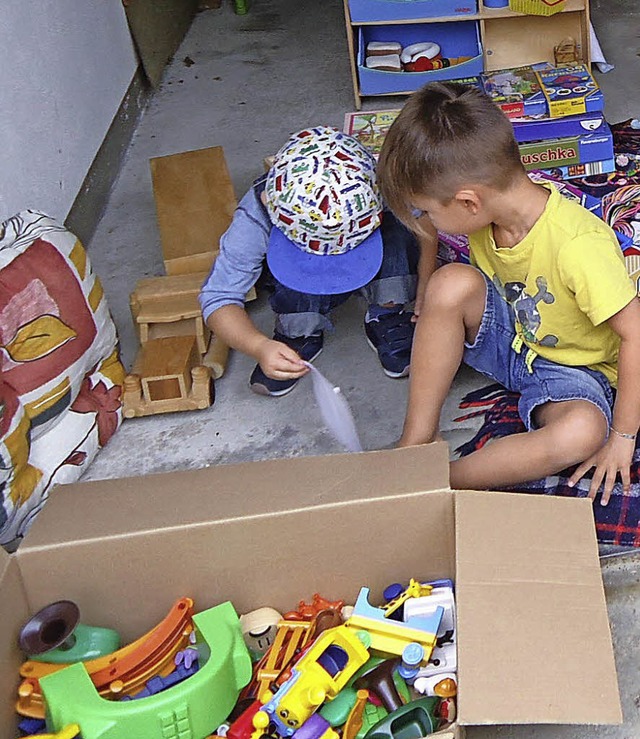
626,413
616,455
233,326
428,243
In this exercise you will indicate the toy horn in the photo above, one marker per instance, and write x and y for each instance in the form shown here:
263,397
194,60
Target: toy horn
50,628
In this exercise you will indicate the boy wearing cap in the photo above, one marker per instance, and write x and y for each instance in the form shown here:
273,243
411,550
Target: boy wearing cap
317,218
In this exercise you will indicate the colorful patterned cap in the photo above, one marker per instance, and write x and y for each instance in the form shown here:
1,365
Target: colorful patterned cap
323,200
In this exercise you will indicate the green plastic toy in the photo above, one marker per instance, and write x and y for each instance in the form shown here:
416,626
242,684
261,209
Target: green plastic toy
371,717
411,721
55,635
87,643
190,710
337,711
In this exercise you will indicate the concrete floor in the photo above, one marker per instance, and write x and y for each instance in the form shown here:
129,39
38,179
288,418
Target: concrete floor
255,79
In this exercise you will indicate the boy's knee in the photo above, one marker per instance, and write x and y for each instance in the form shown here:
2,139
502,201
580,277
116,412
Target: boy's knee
582,433
454,285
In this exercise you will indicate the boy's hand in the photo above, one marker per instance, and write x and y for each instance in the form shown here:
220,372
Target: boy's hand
613,458
279,361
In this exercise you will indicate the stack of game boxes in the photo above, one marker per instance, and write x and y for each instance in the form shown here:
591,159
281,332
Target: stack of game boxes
557,116
558,120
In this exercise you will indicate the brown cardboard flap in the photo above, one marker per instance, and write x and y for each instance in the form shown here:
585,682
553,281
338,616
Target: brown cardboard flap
532,618
14,613
274,560
95,510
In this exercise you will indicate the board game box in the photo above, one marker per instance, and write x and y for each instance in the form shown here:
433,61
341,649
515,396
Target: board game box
567,151
517,91
535,129
570,91
543,90
370,127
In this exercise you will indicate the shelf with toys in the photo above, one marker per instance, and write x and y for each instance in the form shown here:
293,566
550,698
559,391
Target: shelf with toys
463,38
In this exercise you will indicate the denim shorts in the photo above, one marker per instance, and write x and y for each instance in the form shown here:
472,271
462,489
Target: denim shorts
492,354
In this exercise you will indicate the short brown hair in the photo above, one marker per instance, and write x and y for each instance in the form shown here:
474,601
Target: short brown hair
448,134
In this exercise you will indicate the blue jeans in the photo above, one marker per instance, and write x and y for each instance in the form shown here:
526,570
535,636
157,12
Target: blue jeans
492,354
302,314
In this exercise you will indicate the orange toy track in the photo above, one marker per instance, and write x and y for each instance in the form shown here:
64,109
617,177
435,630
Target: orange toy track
122,672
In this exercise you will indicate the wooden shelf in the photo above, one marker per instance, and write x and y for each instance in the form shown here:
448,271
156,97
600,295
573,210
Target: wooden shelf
508,39
572,6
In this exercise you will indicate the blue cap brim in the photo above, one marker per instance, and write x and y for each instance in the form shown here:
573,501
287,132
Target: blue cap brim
323,274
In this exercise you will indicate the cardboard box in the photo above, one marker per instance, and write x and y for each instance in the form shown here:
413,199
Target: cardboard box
534,644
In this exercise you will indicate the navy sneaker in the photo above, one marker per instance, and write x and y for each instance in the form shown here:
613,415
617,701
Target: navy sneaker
391,336
308,347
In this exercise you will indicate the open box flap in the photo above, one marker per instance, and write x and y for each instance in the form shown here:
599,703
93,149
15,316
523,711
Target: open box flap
14,612
107,508
532,618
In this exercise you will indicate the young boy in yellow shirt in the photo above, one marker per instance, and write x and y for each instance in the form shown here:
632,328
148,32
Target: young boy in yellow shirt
546,308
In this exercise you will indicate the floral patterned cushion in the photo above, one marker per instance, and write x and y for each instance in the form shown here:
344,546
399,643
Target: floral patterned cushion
60,373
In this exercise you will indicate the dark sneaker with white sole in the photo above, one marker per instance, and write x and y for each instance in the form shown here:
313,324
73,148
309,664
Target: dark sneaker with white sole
390,335
308,347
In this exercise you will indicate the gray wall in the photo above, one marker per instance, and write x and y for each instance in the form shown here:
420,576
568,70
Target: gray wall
65,66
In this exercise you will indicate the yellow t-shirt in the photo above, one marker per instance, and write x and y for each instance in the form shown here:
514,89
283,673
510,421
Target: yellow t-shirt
563,281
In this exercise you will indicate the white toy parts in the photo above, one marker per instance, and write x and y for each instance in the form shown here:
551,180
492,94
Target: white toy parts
444,685
259,629
426,49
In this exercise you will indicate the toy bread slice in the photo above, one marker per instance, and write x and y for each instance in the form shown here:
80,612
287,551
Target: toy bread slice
427,49
387,63
382,48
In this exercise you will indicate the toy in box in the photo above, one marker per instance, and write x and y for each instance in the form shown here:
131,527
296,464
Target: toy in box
459,40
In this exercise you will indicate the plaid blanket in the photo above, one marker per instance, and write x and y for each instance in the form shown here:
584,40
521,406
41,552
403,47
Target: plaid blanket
617,523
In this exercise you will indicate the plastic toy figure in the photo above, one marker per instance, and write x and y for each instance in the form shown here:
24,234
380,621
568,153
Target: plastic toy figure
319,675
259,629
390,636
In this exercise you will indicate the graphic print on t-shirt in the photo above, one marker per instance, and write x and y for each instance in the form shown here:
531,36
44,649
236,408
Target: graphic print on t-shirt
525,308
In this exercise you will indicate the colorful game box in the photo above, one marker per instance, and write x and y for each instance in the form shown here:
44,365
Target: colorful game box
370,127
589,169
538,128
567,151
517,91
570,91
543,90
